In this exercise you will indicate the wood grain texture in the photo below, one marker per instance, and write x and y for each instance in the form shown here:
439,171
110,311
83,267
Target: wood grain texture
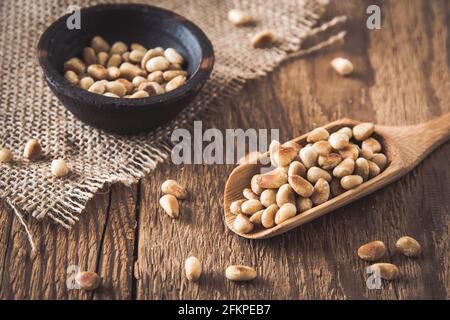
402,78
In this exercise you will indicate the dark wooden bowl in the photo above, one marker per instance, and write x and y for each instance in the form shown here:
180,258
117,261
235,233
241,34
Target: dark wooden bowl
148,25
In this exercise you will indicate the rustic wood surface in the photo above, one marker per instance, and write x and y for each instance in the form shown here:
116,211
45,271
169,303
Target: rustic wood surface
402,77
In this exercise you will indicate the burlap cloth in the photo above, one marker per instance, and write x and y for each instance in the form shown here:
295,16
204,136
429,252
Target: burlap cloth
97,159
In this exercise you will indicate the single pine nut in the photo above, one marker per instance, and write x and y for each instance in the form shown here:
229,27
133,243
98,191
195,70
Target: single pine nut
119,47
89,56
301,186
235,206
59,168
255,186
362,168
308,155
296,168
351,182
268,197
192,268
97,71
240,273
33,150
321,192
130,71
127,84
75,65
138,80
152,53
170,74
152,88
99,44
97,87
263,39
272,180
72,77
335,188
114,61
170,205
366,153
140,95
372,144
286,211
88,280
273,148
175,83
329,161
249,194
351,151
363,131
116,87
386,271
410,247
256,217
346,130
157,76
318,134
113,73
380,160
157,64
138,47
345,168
284,195
374,170
342,66
303,204
316,173
102,58
86,82
323,148
126,57
285,154
173,56
174,188
111,95
251,206
5,155
136,56
338,140
372,251
242,224
239,17
268,216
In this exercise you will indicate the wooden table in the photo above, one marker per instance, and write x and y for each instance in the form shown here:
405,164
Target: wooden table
402,77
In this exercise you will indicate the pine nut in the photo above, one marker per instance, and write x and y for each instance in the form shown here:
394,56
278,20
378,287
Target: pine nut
380,160
318,134
152,53
263,39
72,77
272,180
140,95
97,71
102,58
410,247
5,155
338,140
372,144
59,168
329,161
249,194
345,168
303,204
256,217
235,207
308,155
138,47
255,186
285,154
362,168
99,44
33,150
363,131
130,71
75,65
342,66
321,192
284,195
173,56
88,280
157,76
323,148
152,88
372,251
114,61
286,211
273,148
351,182
119,47
89,56
174,188
127,84
240,273
374,170
297,168
138,80
366,153
301,186
351,151
268,216
170,74
175,83
242,224
268,197
86,82
111,95
316,173
126,57
97,87
192,268
251,206
113,73
157,64
170,205
136,56
346,130
386,271
239,17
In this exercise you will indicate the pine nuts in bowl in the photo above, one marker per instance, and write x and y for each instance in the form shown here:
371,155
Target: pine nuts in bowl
129,69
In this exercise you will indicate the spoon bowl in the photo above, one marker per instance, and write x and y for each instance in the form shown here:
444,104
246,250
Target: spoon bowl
405,147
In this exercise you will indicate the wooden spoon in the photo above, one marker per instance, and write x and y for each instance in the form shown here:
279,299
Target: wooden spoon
404,148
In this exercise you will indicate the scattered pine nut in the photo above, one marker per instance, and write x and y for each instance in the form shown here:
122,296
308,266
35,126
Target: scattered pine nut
5,155
240,273
264,39
342,66
372,251
59,168
174,188
239,17
33,150
193,268
88,280
410,247
387,271
170,205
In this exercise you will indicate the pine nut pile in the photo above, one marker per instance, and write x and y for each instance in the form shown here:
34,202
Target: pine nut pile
119,71
326,167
